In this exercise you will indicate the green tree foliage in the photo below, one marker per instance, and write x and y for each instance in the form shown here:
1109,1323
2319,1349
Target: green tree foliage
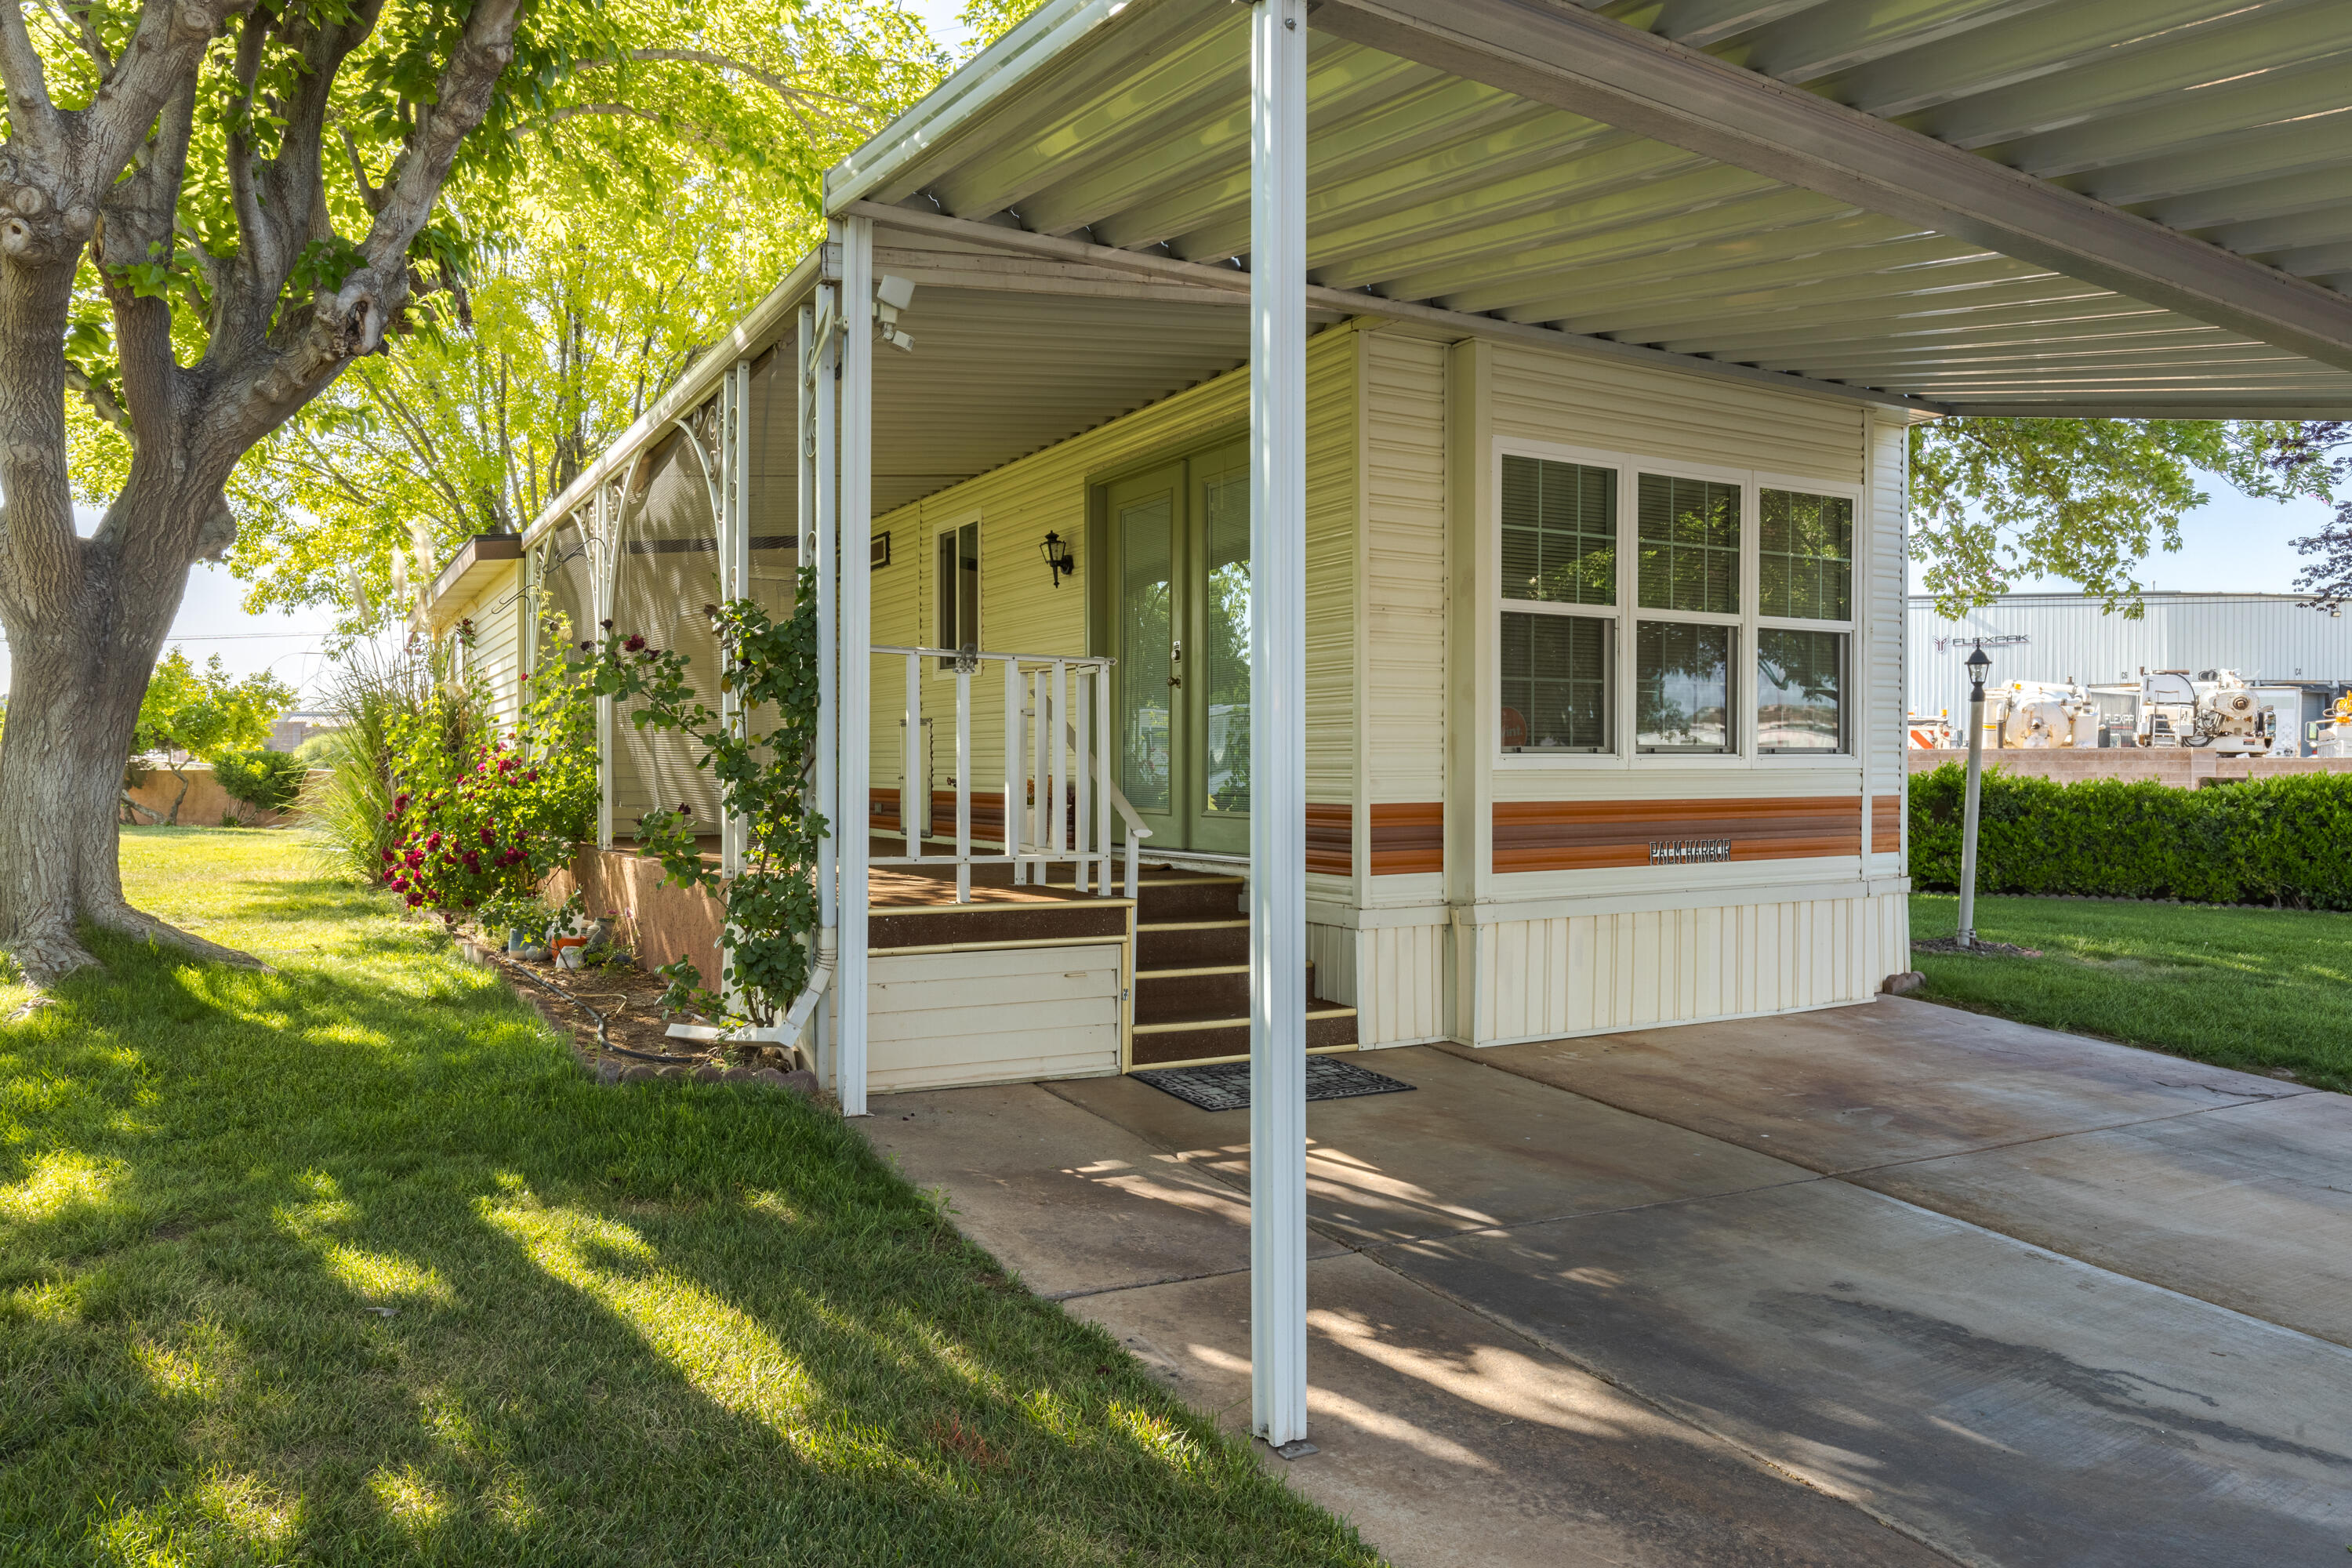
990,20
265,780
1993,500
2276,840
658,194
201,712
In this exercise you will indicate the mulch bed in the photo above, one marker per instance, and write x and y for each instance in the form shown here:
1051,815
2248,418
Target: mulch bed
1982,949
630,1001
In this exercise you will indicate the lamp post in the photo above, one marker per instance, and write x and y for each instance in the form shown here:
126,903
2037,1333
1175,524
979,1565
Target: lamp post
1978,664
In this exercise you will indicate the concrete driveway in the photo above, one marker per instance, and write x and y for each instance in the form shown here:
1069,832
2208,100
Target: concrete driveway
1883,1285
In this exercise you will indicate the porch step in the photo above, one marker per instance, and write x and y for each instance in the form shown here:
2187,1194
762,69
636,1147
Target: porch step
1196,991
1329,1027
1192,972
1176,944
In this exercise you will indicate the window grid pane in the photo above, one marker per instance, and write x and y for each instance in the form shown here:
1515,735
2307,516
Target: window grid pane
1689,550
1805,555
1559,532
1682,687
1555,672
1800,691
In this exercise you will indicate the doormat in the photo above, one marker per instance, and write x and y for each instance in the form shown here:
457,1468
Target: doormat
1226,1085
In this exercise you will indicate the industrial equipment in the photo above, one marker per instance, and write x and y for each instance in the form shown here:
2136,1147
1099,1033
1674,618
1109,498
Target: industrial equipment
2041,714
1930,732
2214,709
2331,732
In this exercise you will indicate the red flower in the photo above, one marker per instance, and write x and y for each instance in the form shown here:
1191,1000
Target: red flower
413,860
489,836
635,642
400,801
388,856
434,842
415,900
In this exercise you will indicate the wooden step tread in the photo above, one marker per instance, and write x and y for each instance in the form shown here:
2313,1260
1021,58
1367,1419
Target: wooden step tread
1170,1026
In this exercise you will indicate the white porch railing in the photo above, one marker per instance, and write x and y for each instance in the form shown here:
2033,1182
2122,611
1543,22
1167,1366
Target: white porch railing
1060,791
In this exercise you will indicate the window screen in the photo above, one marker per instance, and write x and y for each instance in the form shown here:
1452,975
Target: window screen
1556,682
1805,564
1689,550
1799,690
958,589
1559,532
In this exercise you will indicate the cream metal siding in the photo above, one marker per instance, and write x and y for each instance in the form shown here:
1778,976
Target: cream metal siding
2263,637
496,657
1401,984
1404,568
1632,408
1543,978
1022,611
1881,632
1011,1015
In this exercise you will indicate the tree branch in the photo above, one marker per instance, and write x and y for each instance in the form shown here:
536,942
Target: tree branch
30,110
76,21
102,401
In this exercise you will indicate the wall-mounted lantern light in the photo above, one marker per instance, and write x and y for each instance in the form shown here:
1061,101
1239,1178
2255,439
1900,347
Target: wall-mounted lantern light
1058,558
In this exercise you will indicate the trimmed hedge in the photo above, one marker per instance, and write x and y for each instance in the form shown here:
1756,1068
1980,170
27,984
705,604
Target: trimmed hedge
2281,840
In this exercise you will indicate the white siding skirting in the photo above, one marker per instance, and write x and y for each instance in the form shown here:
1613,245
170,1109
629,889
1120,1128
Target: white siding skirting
1015,1015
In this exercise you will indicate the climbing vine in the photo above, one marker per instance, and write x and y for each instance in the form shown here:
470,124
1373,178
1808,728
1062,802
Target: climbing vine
764,777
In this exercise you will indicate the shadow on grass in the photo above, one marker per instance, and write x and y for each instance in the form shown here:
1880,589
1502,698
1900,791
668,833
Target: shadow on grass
352,1263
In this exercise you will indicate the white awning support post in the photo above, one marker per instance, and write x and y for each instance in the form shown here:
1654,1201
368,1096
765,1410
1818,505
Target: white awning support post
855,309
817,533
1277,890
735,565
604,549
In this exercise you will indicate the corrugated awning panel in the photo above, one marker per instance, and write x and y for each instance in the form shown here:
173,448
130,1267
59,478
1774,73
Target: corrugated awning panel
2227,121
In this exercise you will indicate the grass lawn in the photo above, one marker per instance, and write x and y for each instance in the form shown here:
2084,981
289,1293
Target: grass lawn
350,1263
2257,989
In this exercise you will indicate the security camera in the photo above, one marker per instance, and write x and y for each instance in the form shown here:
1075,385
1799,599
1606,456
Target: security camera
892,295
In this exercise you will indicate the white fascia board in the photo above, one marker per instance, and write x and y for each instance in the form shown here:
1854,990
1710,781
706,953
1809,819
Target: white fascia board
765,322
1588,64
996,71
1346,302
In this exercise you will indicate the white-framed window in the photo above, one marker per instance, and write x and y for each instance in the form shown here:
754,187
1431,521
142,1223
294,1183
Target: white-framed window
1804,636
1650,613
958,588
1559,631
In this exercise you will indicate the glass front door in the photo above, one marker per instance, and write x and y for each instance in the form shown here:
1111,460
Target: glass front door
1180,623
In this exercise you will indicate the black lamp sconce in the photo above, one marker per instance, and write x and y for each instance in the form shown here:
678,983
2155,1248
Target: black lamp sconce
1058,558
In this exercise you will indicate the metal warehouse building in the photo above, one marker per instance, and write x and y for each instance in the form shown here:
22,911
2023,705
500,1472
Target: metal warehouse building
2270,638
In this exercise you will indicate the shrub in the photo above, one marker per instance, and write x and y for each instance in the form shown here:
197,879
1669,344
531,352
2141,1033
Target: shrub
2271,840
263,779
477,820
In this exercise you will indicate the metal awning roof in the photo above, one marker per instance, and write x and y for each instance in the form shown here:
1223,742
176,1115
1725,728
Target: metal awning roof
2099,206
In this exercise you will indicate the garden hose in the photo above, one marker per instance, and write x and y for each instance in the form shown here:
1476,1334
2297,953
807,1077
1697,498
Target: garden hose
604,1040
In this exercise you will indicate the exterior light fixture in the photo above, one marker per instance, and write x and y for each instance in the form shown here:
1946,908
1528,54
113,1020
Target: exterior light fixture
1059,559
1978,664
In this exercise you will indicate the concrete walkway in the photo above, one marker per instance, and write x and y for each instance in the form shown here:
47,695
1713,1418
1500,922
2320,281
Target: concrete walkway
1883,1284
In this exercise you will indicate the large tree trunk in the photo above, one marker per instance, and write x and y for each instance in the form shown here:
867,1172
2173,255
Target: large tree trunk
83,649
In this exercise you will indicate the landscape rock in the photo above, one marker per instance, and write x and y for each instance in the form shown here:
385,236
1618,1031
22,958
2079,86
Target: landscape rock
1904,984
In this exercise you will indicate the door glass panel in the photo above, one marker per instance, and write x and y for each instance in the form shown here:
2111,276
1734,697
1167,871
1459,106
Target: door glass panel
1226,665
1146,598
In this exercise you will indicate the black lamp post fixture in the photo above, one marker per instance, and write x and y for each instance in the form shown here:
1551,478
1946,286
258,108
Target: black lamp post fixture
1058,558
1977,664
